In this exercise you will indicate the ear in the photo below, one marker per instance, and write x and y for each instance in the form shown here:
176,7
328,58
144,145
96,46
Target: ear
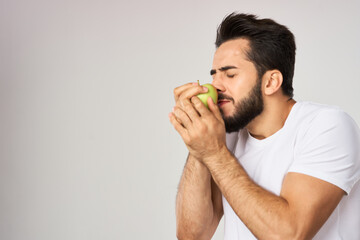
272,81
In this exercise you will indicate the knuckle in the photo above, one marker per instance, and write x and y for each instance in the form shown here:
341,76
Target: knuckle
182,115
184,100
178,113
187,106
196,101
187,139
176,91
178,104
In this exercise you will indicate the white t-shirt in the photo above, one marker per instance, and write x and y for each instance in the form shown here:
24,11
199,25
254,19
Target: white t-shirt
317,140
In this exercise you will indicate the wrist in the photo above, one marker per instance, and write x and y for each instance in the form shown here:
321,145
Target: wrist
197,163
217,156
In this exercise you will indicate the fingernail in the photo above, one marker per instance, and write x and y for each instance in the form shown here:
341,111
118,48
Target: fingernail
205,89
195,83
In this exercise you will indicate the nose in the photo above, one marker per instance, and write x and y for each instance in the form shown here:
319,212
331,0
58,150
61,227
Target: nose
217,83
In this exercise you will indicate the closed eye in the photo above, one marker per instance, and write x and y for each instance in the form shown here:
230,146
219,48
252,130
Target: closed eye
230,75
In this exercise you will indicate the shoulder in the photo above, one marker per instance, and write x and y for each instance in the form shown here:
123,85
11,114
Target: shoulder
313,118
310,110
327,146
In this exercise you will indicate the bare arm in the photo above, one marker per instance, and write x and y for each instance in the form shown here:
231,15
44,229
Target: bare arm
305,203
198,202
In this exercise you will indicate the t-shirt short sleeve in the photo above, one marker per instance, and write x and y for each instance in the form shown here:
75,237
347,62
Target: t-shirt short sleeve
327,147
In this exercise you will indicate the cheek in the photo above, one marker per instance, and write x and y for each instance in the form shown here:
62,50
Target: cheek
236,91
241,87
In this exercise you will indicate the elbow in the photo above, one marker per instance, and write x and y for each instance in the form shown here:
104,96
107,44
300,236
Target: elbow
182,234
185,234
296,233
288,232
189,233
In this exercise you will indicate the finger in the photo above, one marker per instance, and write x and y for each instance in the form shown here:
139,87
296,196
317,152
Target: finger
191,111
182,117
200,106
188,93
178,127
178,120
180,89
192,91
214,109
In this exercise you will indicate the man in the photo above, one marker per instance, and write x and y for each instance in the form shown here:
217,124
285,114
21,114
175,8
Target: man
275,168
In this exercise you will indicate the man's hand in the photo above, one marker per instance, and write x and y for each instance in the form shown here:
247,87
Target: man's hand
202,129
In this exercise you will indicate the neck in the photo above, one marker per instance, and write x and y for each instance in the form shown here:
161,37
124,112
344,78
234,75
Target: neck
272,119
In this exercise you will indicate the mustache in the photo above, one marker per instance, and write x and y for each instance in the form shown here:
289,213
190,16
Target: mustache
222,96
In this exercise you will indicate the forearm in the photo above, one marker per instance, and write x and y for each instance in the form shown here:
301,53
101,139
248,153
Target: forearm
265,214
194,209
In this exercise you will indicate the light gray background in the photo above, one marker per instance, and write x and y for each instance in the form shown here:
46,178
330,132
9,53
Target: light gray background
86,148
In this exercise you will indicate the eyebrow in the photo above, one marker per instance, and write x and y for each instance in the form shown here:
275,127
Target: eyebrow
222,69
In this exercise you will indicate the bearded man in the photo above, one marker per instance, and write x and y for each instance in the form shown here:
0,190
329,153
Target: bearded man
275,168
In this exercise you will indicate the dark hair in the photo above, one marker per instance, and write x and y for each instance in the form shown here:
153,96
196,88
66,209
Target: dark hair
272,46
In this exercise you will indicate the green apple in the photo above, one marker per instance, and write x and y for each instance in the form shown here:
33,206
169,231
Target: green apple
212,92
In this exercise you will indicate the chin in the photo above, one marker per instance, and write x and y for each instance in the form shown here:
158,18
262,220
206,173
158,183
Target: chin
227,111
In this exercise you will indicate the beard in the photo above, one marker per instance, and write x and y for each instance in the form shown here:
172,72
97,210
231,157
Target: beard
245,110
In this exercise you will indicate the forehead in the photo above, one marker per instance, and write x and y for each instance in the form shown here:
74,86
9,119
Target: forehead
231,52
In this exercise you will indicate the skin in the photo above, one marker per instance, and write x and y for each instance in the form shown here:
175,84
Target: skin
305,202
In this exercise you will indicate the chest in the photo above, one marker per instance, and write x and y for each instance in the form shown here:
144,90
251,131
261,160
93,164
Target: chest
267,165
